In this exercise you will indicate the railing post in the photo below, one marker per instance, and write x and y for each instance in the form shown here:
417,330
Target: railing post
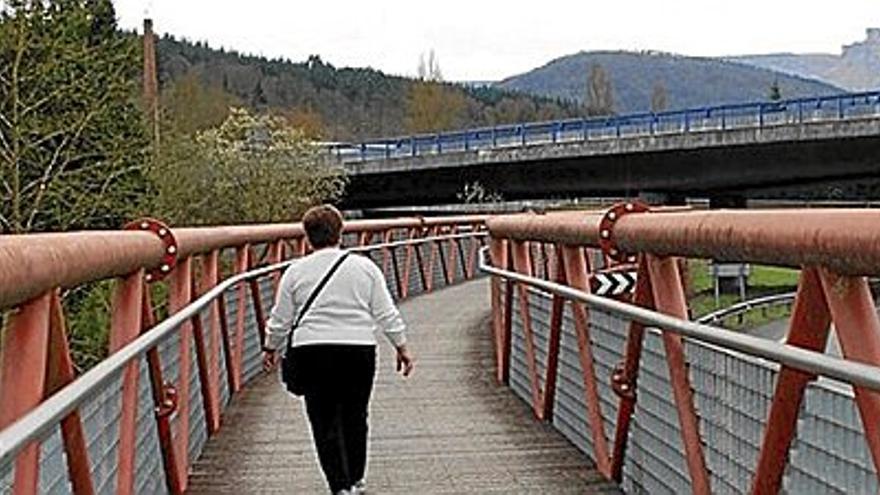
761,115
179,295
577,271
522,264
125,326
412,144
24,348
669,298
494,138
809,326
241,266
498,253
839,108
439,143
522,130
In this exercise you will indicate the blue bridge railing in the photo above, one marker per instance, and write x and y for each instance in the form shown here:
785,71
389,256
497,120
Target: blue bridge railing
722,117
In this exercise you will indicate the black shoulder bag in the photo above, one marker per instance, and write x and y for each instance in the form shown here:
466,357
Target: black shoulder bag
295,381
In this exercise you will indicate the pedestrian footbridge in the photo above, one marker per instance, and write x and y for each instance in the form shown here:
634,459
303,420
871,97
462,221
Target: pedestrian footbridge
528,380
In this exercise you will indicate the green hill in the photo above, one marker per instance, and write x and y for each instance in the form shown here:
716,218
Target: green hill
350,103
689,81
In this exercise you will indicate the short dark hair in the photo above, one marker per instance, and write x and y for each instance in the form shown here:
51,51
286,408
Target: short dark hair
323,226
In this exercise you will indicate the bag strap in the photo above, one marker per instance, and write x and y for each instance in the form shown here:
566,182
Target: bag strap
314,295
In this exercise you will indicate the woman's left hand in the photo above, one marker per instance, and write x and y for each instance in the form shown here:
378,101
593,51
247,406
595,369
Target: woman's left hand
270,360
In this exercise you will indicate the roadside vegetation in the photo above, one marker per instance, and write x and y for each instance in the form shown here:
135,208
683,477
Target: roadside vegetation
763,281
77,152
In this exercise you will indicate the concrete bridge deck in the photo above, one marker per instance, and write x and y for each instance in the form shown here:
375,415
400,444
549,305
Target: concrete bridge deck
448,429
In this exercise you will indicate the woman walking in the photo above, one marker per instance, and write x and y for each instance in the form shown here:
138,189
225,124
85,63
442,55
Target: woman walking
326,313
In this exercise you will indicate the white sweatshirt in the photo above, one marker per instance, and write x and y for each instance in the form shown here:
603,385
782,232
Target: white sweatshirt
353,304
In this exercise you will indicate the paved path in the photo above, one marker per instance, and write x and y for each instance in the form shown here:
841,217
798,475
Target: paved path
447,429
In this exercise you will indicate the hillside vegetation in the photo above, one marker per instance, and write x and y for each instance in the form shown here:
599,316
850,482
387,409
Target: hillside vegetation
348,103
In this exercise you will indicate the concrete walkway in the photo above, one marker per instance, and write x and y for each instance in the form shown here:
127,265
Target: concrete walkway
447,429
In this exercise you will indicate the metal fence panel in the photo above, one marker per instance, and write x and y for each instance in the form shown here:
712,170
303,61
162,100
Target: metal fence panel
732,394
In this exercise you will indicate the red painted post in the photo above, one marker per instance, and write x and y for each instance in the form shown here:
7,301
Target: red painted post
273,256
387,254
208,281
241,266
125,326
498,252
858,331
626,377
257,301
452,257
669,298
60,372
164,405
556,314
22,379
471,266
179,295
808,328
407,264
577,273
522,264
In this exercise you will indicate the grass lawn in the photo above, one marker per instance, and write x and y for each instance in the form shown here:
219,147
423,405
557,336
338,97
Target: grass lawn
763,280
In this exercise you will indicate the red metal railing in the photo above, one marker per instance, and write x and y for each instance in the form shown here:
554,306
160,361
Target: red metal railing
835,250
37,377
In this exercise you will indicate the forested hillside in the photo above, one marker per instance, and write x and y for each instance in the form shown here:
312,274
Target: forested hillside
348,103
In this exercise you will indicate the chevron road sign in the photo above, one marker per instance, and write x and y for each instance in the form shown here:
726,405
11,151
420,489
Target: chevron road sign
613,283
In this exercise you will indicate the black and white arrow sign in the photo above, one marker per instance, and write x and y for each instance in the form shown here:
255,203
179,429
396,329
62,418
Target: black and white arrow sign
613,283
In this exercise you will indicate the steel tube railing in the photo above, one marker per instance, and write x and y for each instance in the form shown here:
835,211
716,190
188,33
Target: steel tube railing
845,240
854,373
38,422
32,263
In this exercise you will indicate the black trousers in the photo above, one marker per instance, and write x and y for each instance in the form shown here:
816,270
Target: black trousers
339,381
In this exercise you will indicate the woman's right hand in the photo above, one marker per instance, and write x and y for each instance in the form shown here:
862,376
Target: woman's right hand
405,361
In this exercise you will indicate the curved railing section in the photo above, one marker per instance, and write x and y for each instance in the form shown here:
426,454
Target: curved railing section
136,421
741,308
722,117
662,404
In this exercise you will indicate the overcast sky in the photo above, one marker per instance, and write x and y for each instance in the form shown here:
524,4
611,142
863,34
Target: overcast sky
488,40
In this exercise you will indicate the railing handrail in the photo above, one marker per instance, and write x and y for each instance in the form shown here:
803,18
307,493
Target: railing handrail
851,372
37,423
745,306
33,263
756,108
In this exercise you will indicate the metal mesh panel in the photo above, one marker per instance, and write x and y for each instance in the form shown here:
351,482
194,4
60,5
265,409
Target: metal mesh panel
732,394
149,472
830,454
198,432
539,313
53,465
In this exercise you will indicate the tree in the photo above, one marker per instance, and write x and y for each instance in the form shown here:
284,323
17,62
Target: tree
600,98
658,97
429,70
432,105
775,92
252,168
188,106
73,145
